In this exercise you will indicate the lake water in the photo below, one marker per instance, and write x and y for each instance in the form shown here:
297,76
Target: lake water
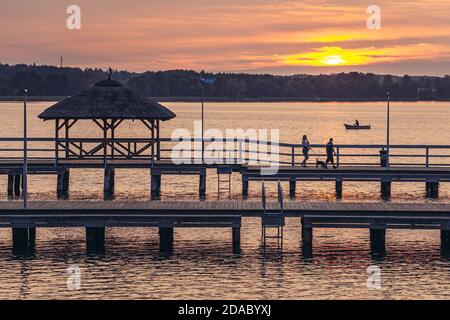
203,266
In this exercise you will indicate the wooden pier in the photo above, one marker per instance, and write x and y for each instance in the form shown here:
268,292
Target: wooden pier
108,104
95,216
431,177
427,164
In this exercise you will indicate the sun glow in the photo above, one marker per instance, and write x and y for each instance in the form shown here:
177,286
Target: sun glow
337,56
330,56
333,60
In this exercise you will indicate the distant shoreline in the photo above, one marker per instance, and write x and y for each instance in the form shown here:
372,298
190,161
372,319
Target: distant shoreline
243,100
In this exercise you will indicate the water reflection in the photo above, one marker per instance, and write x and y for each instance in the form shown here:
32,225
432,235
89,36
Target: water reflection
202,265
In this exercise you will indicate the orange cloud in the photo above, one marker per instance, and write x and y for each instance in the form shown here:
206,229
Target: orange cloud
332,56
228,35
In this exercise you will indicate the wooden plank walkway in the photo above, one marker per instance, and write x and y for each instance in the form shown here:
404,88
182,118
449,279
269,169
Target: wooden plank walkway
359,173
94,216
243,208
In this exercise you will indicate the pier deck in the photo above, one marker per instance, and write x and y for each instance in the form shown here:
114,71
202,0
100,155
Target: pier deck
96,215
242,208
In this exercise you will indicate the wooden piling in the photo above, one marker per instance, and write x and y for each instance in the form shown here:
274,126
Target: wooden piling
292,187
95,239
109,184
202,186
432,189
24,240
66,181
166,240
307,239
10,185
339,182
378,240
386,188
244,187
236,234
156,187
62,184
17,184
31,238
445,241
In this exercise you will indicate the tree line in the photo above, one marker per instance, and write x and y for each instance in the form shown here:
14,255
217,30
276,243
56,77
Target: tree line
54,81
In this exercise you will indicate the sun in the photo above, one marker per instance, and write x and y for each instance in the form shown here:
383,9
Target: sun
332,56
333,60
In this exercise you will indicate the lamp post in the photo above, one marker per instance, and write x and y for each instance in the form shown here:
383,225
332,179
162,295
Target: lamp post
25,152
388,94
203,118
203,81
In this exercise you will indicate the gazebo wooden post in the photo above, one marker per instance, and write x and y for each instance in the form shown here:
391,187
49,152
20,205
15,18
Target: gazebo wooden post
56,142
66,125
63,176
153,141
109,173
105,139
158,141
113,126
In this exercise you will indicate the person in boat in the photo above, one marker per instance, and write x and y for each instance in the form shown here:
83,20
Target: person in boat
305,149
330,153
356,123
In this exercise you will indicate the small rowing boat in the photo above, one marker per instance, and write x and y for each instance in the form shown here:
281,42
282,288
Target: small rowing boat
355,127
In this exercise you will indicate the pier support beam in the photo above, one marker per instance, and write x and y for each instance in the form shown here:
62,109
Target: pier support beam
95,239
292,187
17,184
10,185
445,241
378,240
339,188
386,188
156,187
202,186
432,189
236,233
24,240
108,184
244,187
166,240
62,184
307,239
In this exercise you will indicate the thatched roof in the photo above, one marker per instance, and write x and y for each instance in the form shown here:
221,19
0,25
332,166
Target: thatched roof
107,99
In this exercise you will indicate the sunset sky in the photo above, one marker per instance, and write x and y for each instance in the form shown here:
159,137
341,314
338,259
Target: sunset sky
277,36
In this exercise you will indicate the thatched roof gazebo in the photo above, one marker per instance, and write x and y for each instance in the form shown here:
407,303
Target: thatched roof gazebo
107,103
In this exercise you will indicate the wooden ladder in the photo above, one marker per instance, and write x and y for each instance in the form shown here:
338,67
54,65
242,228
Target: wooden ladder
226,171
273,219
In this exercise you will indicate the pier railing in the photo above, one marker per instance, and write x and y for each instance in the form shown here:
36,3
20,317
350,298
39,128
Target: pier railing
220,151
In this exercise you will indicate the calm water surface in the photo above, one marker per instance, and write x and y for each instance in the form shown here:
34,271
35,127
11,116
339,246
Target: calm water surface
202,266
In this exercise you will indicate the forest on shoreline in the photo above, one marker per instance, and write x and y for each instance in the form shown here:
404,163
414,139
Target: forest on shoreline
51,83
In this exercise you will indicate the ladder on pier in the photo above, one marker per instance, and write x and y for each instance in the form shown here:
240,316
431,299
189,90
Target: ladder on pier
224,180
273,219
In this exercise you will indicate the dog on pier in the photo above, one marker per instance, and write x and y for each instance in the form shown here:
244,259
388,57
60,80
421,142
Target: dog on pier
321,164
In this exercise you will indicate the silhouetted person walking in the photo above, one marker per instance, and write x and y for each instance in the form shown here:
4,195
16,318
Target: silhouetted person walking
330,153
306,147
